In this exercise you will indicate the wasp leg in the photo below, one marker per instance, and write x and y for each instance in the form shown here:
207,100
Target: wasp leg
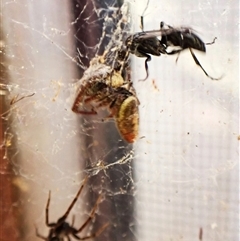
148,58
174,52
198,63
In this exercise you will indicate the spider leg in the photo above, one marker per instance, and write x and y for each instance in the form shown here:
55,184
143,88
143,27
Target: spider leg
82,94
63,218
198,63
111,109
91,215
46,210
39,235
96,234
84,112
78,100
124,64
104,101
89,99
97,92
76,110
73,220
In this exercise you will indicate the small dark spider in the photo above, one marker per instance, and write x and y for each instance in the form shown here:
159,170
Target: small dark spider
62,229
157,42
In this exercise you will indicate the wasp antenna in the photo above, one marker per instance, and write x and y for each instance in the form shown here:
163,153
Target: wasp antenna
162,24
141,26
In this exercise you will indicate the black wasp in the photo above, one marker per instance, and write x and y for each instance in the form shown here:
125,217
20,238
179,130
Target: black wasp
166,40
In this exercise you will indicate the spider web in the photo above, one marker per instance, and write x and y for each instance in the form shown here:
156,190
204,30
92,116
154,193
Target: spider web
182,175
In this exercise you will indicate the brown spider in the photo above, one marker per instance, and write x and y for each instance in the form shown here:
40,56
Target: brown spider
103,87
62,229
